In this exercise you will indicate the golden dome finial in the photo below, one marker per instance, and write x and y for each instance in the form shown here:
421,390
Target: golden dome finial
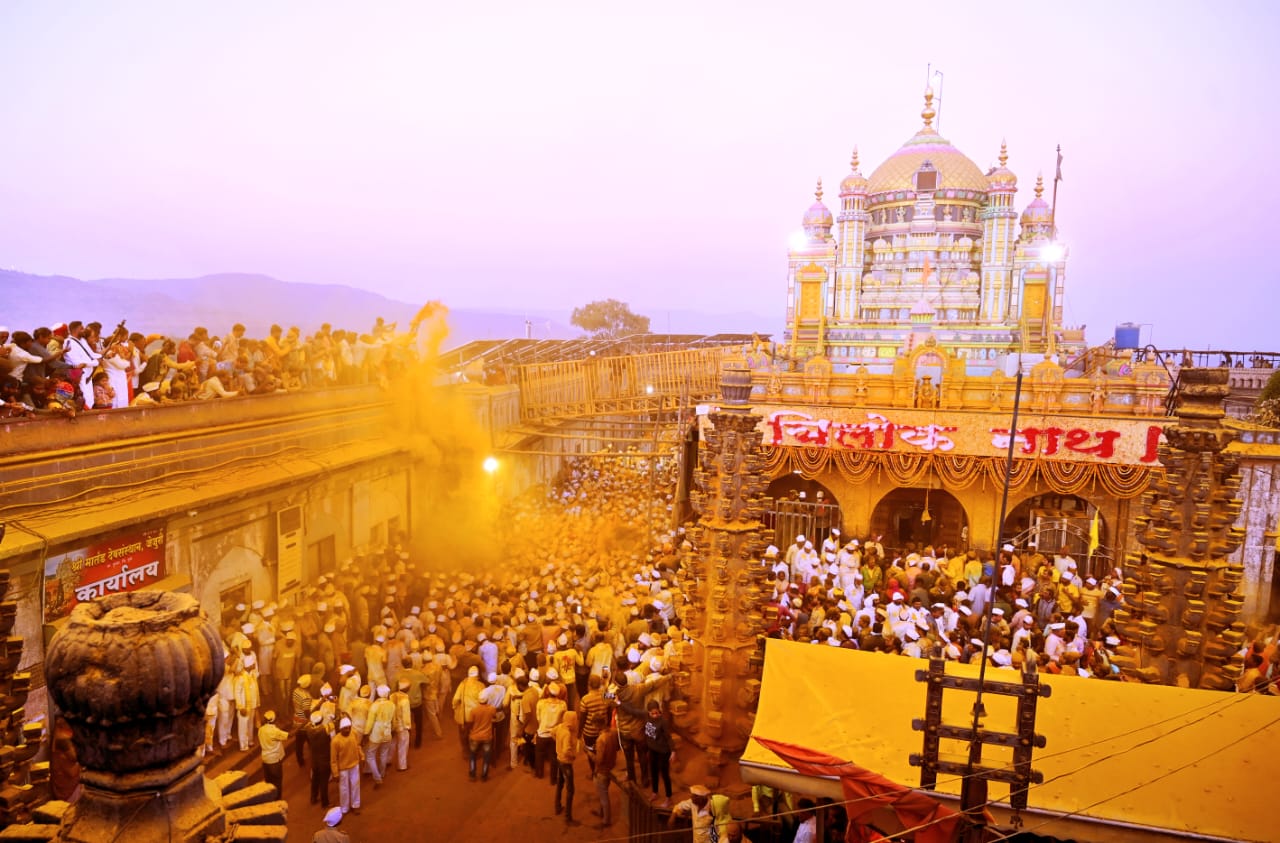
928,113
1004,153
1039,185
853,164
817,193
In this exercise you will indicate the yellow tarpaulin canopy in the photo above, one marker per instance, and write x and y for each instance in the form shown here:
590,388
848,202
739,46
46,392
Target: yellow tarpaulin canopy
1203,762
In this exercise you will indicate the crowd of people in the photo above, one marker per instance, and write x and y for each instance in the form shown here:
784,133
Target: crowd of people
921,600
71,367
555,662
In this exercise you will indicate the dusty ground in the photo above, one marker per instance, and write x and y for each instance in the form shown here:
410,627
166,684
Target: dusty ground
436,801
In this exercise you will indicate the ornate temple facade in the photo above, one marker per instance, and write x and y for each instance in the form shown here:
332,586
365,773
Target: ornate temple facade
928,246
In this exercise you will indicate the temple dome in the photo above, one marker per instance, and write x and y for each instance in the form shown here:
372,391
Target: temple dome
1038,211
955,169
1002,178
818,219
855,182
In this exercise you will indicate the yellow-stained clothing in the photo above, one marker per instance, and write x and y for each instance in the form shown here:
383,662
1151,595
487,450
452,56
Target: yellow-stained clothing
245,687
272,738
567,741
465,699
381,714
360,716
403,711
345,752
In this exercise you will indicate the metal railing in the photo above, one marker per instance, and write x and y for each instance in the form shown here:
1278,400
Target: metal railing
612,385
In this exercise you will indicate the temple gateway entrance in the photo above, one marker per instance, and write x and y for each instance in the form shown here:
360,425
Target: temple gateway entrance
900,519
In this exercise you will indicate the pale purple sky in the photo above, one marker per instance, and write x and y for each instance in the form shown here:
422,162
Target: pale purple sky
548,154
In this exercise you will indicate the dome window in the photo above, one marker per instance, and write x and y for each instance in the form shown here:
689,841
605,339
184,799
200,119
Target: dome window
926,178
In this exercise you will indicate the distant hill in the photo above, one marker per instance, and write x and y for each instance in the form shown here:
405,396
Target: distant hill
174,306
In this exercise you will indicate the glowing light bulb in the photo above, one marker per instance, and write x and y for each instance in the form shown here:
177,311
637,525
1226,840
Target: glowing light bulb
490,464
1052,252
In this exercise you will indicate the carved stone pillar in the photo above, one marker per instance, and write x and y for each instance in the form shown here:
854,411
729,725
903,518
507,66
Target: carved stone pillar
23,785
131,673
1182,614
718,672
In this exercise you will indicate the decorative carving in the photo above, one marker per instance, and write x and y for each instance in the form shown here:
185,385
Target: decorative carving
23,785
723,584
1183,608
131,673
817,379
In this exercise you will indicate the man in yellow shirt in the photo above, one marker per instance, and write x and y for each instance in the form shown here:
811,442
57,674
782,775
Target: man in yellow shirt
566,737
382,714
272,740
402,724
465,698
344,759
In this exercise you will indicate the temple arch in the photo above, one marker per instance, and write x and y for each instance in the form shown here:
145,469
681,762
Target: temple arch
899,518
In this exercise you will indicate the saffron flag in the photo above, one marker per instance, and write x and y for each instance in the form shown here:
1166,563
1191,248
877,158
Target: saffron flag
1093,533
1058,175
866,791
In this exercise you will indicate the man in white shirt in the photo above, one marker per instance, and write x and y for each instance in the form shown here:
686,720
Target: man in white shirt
805,564
1062,561
807,831
80,355
831,543
794,549
698,809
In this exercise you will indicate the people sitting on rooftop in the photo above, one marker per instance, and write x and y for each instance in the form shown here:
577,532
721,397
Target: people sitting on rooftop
66,368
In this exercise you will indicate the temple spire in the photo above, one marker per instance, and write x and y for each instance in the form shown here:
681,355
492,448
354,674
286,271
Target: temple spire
817,193
853,163
1039,185
928,113
1004,153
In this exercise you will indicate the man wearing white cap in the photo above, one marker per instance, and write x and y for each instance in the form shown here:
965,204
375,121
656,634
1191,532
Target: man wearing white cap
831,543
344,758
1055,644
226,695
285,659
300,708
375,659
318,737
245,684
402,724
1062,560
805,564
848,564
271,738
330,832
265,632
465,698
382,713
790,557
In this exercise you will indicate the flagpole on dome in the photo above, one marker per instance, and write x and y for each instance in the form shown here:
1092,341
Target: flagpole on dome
1053,208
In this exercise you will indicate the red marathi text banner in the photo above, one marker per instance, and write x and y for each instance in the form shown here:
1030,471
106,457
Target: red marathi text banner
1073,438
122,563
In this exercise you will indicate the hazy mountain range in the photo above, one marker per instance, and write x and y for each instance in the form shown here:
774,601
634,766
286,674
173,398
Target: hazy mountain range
175,305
